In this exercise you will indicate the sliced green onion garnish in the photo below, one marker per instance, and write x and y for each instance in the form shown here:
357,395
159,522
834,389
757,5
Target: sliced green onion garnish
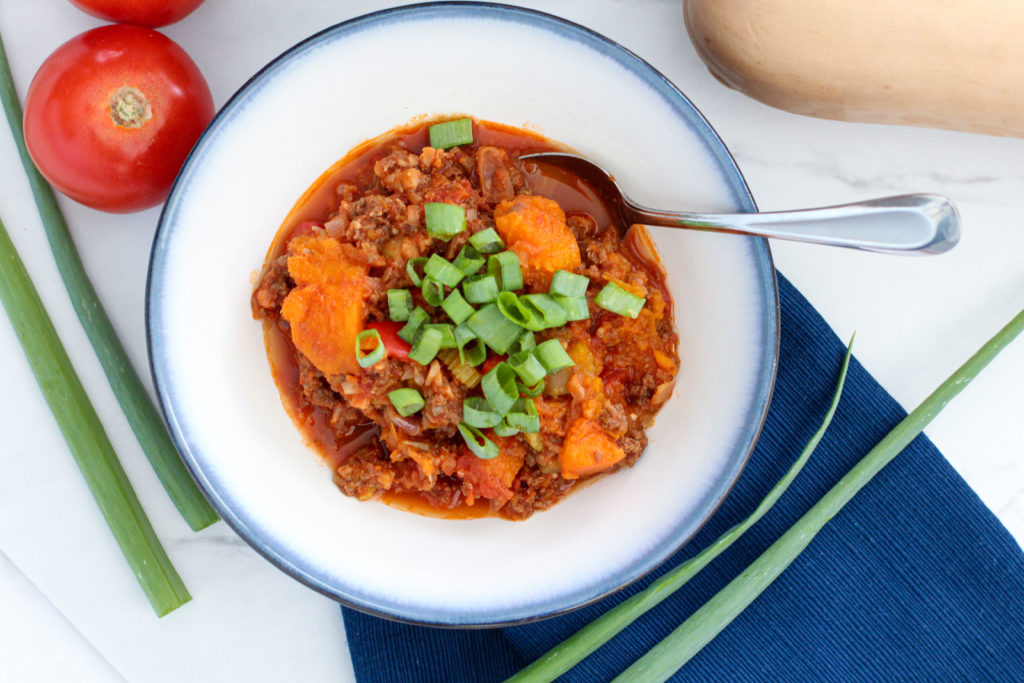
480,289
444,221
505,268
463,335
480,445
426,347
433,291
412,267
373,357
469,260
406,401
477,412
438,268
527,366
509,305
491,326
564,283
575,307
503,428
617,300
412,327
451,133
487,241
447,333
547,312
552,356
456,307
523,416
524,342
399,304
475,353
533,391
499,387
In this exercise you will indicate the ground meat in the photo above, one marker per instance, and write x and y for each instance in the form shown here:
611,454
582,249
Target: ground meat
275,285
500,179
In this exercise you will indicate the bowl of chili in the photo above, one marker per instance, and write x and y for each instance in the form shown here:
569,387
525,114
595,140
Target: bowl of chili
534,74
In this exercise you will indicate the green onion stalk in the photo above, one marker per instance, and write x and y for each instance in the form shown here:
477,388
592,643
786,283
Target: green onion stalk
577,647
85,436
135,402
665,658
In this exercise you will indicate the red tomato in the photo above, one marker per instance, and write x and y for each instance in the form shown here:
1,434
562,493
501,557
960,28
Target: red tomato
111,115
395,345
145,12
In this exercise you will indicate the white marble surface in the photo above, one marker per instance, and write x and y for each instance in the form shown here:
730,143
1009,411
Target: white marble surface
71,608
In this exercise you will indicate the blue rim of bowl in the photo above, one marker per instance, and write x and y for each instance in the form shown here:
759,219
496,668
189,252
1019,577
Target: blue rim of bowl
695,121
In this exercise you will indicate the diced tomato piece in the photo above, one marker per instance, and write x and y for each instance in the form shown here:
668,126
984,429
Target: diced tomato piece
393,344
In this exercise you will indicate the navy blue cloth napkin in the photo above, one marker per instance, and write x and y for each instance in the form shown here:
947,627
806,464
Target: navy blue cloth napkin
914,580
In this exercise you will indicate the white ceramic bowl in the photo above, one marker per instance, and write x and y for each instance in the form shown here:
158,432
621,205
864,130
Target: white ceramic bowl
298,116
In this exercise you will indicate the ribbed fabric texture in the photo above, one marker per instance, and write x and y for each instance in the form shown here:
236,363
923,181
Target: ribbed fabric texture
914,580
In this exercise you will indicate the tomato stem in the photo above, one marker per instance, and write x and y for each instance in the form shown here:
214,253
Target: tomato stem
129,108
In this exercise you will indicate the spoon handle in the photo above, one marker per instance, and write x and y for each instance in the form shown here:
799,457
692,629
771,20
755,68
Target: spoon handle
905,224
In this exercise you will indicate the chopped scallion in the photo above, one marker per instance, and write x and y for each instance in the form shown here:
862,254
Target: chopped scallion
576,308
552,356
412,268
480,445
531,392
477,412
503,428
509,305
469,260
548,313
426,346
475,353
472,351
504,266
491,326
406,401
374,356
499,387
399,304
456,307
444,221
617,300
433,291
447,334
451,133
480,289
564,283
527,366
524,342
524,417
440,269
487,241
412,326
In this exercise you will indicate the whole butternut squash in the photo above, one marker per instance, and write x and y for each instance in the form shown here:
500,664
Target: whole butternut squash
955,64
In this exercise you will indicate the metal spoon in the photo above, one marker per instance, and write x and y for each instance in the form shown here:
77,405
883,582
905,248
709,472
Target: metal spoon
904,224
